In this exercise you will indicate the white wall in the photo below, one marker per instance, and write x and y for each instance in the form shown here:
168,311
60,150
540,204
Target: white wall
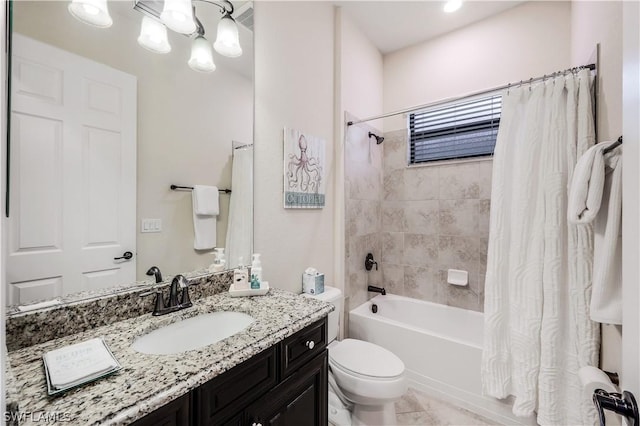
359,67
294,87
592,23
631,196
361,72
186,123
523,42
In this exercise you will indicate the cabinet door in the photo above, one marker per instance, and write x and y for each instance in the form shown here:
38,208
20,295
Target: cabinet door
222,398
175,413
300,400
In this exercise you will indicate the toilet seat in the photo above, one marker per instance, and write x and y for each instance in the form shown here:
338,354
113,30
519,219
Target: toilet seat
365,360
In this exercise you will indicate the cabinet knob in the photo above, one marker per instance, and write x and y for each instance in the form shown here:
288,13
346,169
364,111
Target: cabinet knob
310,344
256,424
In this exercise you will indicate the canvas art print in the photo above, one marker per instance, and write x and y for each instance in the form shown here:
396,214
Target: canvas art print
304,163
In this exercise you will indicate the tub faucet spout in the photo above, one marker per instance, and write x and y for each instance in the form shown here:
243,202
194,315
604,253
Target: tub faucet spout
375,289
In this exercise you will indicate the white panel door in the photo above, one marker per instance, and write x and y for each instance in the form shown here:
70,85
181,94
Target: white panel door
73,174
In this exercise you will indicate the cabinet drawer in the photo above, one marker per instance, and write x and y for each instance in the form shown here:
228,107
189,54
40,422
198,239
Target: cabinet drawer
302,346
224,396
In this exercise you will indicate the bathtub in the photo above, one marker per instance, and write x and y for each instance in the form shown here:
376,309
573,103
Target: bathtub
441,347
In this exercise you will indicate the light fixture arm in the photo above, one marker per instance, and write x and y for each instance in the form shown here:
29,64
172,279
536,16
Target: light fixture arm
226,7
199,26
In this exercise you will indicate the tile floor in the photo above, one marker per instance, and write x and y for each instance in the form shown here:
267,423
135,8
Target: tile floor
417,408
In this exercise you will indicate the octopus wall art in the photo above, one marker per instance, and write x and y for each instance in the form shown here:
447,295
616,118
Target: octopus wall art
304,166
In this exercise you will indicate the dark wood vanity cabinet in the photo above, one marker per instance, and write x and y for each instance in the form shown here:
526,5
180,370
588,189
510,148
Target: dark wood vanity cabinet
285,384
175,413
301,399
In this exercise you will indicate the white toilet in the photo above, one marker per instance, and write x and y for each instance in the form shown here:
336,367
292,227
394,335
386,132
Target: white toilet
364,378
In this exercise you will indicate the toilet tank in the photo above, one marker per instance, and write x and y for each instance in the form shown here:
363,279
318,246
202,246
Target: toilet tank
334,296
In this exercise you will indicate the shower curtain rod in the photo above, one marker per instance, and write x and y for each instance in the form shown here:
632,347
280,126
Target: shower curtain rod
483,92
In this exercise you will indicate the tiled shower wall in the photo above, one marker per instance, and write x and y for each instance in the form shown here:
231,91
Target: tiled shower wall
363,204
434,218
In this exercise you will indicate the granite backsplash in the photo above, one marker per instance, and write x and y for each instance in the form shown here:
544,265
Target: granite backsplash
29,328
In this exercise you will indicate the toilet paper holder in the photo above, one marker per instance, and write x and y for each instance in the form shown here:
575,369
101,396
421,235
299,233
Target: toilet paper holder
623,404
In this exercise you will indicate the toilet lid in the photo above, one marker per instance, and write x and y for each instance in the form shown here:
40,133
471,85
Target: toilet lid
366,359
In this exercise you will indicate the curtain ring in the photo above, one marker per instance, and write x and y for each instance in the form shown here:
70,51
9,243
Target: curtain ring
530,82
508,88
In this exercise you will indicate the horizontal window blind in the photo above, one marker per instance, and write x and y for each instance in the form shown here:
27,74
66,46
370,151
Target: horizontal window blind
459,129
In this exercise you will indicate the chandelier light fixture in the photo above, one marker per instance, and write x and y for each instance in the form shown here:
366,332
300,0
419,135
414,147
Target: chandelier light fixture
176,15
92,12
153,36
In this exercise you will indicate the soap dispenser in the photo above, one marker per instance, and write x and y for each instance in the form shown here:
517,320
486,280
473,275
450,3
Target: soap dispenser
256,272
219,262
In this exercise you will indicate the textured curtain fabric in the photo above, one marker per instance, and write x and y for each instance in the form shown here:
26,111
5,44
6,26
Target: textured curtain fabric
240,225
538,282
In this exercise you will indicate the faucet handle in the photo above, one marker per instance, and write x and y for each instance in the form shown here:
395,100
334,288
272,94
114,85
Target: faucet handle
185,301
369,262
159,304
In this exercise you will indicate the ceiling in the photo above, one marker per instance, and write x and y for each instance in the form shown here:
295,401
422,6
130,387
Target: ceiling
390,25
393,25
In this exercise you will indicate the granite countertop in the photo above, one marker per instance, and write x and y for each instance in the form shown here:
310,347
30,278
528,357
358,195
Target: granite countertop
147,382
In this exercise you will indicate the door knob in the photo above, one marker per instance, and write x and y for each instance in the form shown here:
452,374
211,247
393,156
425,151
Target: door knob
126,256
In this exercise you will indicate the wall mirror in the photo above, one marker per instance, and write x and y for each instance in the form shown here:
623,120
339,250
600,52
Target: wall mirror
89,107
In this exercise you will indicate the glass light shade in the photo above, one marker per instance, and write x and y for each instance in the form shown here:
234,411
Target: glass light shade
452,5
178,16
92,12
227,42
153,36
201,55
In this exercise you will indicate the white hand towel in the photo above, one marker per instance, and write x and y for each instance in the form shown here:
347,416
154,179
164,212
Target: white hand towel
205,200
606,295
585,194
205,211
596,196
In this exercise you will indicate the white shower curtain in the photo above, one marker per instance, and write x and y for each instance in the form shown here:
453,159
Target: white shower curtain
240,226
538,282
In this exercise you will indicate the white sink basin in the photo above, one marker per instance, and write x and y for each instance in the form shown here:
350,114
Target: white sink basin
192,333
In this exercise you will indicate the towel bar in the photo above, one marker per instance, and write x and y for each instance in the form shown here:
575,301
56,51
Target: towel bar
176,187
613,146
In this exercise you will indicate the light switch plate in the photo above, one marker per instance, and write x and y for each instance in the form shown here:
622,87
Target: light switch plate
151,225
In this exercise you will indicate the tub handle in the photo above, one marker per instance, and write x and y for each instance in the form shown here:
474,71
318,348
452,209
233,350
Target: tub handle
310,344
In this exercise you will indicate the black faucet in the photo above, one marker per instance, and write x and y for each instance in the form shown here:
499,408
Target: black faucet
375,289
155,271
178,283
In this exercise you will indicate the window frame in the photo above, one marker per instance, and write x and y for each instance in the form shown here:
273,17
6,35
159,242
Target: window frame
489,124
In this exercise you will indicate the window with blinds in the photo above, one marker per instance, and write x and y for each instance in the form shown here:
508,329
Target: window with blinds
460,129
